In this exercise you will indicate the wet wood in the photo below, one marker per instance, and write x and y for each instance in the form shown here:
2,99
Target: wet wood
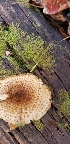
32,21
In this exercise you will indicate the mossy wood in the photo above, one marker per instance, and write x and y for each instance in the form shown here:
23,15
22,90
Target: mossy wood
37,33
30,50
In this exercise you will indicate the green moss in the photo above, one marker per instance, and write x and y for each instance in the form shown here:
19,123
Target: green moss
29,51
37,52
2,43
15,63
39,125
64,102
23,3
20,125
4,72
9,36
64,126
32,49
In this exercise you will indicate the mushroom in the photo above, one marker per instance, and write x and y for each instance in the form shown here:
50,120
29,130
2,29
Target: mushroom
23,98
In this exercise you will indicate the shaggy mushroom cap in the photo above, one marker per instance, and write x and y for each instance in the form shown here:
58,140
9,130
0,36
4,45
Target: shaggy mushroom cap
23,98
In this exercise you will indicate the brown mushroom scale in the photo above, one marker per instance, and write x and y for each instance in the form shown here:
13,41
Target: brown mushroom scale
27,99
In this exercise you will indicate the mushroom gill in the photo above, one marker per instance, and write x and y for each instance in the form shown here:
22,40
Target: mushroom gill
23,98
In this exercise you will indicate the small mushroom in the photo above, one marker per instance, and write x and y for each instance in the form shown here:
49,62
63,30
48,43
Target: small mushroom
23,98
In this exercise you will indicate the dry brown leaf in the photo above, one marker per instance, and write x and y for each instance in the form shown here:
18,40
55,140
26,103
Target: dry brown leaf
50,6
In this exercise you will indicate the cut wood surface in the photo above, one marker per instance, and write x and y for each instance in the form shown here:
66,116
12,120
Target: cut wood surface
56,124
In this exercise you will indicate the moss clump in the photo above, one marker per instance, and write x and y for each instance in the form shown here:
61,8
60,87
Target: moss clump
28,51
9,36
37,52
2,43
64,126
4,72
64,102
39,125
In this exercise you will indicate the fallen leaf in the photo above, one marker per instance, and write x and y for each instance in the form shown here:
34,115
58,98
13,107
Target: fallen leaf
50,6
